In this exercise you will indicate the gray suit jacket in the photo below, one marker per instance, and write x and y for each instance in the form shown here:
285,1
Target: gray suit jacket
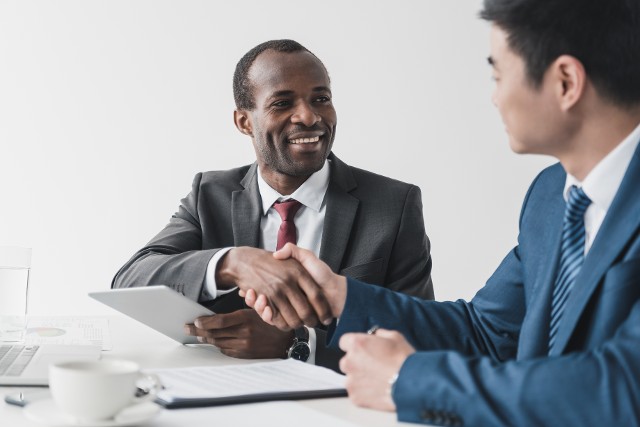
373,231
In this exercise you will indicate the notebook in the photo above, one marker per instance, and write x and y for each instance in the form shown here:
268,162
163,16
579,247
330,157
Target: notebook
22,364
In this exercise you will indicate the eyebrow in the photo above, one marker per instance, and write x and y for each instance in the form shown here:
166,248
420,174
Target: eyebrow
290,92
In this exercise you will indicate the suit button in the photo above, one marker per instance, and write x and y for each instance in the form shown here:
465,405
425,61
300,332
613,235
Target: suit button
439,418
455,420
427,415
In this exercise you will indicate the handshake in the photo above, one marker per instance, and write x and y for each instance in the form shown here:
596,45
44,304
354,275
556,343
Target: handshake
292,287
288,288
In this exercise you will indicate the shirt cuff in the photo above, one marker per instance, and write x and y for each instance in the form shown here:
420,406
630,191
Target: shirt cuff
312,346
210,289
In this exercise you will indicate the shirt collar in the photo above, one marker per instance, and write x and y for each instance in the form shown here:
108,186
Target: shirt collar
602,183
310,193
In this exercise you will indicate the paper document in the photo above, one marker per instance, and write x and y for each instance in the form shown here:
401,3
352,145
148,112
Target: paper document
79,330
219,385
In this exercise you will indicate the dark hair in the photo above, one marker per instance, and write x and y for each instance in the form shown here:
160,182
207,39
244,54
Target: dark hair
242,88
604,35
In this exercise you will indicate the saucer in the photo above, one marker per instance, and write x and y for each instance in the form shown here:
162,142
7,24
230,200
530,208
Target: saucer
46,412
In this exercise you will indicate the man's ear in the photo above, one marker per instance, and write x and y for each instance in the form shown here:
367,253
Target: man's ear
242,120
571,79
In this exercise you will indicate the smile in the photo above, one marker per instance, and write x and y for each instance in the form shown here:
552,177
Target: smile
304,140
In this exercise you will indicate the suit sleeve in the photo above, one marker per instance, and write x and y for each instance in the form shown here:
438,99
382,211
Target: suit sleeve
589,388
409,269
465,369
174,257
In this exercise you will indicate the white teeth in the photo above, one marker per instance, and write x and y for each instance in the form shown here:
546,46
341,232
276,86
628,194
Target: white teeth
304,140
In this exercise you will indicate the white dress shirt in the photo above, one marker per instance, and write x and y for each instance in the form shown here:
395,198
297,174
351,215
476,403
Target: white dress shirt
602,183
309,222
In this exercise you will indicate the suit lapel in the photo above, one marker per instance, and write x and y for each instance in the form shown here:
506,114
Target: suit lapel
246,211
340,214
536,328
622,219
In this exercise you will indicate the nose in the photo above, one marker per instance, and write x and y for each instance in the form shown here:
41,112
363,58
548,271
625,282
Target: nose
305,114
494,97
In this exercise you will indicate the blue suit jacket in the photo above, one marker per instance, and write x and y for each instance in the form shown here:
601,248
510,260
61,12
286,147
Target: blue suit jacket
485,362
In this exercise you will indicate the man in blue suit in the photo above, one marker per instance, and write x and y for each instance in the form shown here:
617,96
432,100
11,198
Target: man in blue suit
553,338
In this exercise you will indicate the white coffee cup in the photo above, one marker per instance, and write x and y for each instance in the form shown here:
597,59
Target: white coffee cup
98,390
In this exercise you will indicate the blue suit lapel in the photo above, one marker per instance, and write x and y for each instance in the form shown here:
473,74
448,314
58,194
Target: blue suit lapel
622,219
534,340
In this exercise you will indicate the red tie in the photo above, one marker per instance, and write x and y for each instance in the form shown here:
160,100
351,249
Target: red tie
287,230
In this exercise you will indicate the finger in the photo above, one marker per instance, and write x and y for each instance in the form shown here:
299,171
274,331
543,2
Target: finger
353,341
295,306
278,322
250,298
219,321
261,304
225,333
224,344
267,314
317,301
304,295
195,332
201,321
286,308
344,364
241,293
388,334
288,301
312,290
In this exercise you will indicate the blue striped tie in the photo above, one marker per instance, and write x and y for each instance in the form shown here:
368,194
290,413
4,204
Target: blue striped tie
571,256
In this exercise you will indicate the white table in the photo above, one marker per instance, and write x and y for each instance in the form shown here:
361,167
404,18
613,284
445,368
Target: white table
134,341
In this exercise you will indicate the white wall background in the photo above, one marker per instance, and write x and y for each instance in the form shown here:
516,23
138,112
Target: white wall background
108,109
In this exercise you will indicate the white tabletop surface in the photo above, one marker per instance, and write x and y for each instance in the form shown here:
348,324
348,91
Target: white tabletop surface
134,341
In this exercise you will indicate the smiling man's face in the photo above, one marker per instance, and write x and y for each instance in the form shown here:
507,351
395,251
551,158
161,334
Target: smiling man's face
293,123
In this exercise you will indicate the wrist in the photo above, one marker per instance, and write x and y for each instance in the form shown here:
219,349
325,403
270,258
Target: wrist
336,294
392,384
225,277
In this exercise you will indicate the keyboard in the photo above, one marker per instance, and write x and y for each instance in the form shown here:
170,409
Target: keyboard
15,358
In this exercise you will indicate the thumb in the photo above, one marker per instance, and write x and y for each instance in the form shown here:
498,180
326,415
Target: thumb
303,256
286,252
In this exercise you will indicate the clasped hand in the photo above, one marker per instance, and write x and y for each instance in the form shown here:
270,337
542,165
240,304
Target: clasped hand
323,287
286,286
304,288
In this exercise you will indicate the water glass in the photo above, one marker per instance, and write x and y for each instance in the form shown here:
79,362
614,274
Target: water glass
15,264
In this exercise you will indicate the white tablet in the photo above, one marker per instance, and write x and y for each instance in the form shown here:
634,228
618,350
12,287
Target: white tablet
158,307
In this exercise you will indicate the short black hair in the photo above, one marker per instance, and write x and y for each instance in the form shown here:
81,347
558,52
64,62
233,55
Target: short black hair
242,89
604,35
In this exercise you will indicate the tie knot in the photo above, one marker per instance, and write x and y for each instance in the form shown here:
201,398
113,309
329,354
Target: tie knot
287,209
578,202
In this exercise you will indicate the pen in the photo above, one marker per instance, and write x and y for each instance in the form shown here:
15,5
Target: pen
373,329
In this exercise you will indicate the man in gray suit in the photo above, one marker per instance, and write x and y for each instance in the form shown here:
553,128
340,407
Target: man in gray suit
362,225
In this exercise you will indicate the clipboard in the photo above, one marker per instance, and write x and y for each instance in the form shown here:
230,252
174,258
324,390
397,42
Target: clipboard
246,383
